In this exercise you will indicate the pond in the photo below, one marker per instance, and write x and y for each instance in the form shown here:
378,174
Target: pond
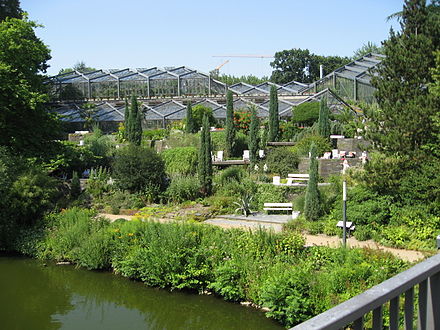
35,295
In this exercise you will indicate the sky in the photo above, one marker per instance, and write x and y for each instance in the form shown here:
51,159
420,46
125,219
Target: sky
109,34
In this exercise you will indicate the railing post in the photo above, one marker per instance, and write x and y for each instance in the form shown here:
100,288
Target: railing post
409,308
433,317
423,299
394,313
377,318
359,324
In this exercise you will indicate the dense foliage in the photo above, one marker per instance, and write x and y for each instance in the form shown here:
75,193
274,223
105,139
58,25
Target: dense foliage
312,204
254,137
306,113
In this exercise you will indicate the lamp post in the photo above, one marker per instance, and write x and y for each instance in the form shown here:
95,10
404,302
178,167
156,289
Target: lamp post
344,204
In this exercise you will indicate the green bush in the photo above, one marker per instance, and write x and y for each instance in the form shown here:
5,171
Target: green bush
183,188
282,161
180,160
219,142
139,169
233,173
302,147
154,134
101,146
306,113
198,111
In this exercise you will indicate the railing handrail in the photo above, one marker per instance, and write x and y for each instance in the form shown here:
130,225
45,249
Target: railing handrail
354,308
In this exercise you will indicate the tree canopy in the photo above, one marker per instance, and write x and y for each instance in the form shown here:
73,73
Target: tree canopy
302,65
11,9
25,124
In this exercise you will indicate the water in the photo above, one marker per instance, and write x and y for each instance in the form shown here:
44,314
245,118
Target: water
38,296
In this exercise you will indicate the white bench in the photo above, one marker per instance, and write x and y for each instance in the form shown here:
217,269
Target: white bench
348,225
298,177
281,207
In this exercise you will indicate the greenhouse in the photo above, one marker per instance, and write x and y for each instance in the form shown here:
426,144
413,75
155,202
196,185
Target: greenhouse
145,83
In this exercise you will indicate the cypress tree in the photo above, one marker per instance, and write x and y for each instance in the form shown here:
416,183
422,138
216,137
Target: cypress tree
190,127
135,124
324,119
127,116
230,129
205,161
274,124
312,207
404,124
254,137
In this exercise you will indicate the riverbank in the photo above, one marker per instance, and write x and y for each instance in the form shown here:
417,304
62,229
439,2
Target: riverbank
273,270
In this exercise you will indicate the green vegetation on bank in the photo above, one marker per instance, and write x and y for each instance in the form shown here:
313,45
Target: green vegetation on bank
271,270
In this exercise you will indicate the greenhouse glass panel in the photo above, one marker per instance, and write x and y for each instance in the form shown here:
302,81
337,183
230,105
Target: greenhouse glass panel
105,90
132,87
194,86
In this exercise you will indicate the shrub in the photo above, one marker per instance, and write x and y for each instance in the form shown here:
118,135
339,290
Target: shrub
302,147
198,111
155,134
183,188
282,161
219,142
233,173
180,160
306,113
75,186
139,169
101,146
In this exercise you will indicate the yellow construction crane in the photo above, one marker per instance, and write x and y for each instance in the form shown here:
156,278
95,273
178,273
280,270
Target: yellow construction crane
216,71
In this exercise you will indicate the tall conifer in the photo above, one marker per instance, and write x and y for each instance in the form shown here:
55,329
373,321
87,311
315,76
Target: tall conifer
312,205
127,116
205,161
274,124
190,127
324,119
230,129
254,137
404,125
135,123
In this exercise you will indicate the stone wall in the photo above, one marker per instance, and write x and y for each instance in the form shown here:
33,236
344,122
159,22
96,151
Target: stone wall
356,145
327,167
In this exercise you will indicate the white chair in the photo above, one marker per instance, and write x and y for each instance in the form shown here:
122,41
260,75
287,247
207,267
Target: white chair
220,155
335,153
261,153
245,154
276,180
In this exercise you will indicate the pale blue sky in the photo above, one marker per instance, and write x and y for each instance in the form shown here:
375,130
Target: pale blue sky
109,34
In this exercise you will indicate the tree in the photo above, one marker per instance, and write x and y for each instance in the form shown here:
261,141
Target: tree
403,124
324,119
127,120
274,124
205,161
79,66
11,9
302,65
230,129
312,205
135,124
189,128
75,185
139,169
367,48
25,124
254,137
198,112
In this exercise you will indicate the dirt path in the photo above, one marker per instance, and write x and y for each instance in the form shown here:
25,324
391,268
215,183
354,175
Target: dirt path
319,240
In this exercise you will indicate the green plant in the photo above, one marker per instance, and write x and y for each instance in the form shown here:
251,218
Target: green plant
137,169
190,126
274,125
282,161
244,204
254,137
180,160
183,188
230,129
302,147
306,113
205,161
198,112
324,119
75,186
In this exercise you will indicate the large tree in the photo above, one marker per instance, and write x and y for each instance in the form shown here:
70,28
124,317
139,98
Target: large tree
302,65
312,203
25,124
404,124
189,127
135,123
254,136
